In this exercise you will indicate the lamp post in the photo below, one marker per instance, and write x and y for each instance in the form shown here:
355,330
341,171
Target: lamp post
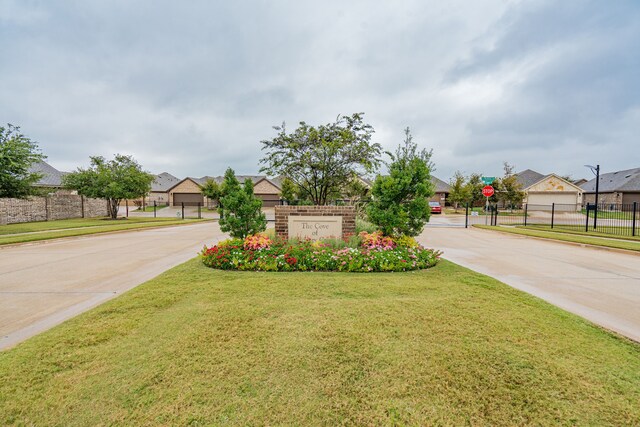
596,172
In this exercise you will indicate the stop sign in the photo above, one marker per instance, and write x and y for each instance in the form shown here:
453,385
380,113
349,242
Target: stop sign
487,191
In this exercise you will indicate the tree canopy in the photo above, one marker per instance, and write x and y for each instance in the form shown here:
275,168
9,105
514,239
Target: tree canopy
17,154
400,200
320,160
113,180
212,191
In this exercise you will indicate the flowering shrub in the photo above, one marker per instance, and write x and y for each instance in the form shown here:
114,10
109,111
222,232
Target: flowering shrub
257,241
405,241
376,241
308,255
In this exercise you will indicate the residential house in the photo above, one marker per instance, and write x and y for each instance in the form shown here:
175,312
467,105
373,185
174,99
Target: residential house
189,190
614,188
160,187
442,190
544,191
51,180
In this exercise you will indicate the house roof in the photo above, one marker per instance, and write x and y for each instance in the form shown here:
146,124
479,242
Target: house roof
51,177
164,182
571,184
623,181
242,178
441,186
529,177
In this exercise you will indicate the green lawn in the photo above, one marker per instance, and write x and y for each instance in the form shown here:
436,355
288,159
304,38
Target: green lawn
606,214
602,231
600,240
445,346
45,230
148,208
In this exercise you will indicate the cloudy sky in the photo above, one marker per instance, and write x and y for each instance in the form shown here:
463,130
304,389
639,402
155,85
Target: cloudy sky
193,87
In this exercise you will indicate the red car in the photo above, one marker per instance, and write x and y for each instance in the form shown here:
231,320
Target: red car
435,207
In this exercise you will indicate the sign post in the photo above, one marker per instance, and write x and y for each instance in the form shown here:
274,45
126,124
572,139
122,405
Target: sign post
487,191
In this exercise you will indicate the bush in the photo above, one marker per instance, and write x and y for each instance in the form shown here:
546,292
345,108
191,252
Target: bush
240,211
362,225
377,254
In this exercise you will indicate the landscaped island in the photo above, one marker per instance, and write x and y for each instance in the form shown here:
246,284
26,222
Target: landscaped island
366,252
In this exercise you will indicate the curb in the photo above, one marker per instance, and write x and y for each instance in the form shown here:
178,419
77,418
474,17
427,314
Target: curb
57,239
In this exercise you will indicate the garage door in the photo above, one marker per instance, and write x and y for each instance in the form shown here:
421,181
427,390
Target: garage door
269,200
562,200
189,199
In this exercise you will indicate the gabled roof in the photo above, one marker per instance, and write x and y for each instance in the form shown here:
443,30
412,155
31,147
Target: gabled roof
164,182
242,178
571,184
623,181
51,177
441,186
528,177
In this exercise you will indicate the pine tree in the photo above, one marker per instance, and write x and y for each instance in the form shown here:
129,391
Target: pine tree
240,211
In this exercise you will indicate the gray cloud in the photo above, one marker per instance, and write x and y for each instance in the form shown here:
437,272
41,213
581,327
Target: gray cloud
192,88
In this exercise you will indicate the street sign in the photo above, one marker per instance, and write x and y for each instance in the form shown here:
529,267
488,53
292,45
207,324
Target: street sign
487,191
488,180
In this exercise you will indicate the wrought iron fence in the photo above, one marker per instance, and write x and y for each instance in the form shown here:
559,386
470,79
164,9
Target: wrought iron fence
605,219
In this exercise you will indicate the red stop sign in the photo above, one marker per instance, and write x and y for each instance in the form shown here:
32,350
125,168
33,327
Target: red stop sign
487,191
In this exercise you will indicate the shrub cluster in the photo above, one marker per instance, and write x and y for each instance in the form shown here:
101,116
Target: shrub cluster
376,253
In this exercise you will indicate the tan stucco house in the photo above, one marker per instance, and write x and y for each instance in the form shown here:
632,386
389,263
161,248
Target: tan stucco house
543,191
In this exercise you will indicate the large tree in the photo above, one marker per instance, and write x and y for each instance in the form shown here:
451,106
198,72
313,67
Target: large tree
400,200
321,160
17,154
240,211
113,180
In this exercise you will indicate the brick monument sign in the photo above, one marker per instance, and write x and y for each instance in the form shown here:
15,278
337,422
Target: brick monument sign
315,222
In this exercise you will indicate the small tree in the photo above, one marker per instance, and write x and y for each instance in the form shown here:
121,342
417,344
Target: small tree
509,189
241,211
321,160
288,190
459,191
473,190
212,191
17,154
400,201
113,180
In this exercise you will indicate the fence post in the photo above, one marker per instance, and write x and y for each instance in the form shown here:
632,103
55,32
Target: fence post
526,206
553,212
495,216
199,212
127,205
82,204
633,222
586,225
154,208
466,216
182,203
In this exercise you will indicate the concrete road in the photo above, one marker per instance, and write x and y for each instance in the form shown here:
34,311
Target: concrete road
43,284
600,285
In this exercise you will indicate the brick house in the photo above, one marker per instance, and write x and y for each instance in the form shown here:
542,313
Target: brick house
621,187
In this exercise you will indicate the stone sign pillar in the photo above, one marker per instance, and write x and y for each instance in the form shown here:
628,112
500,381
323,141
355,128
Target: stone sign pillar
315,222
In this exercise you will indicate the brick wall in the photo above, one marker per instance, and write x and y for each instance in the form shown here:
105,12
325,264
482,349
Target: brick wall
348,214
58,206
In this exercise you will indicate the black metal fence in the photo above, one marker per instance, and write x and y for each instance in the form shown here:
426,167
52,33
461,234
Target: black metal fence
605,219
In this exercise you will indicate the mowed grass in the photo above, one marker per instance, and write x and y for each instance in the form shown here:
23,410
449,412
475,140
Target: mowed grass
602,231
45,230
563,236
446,346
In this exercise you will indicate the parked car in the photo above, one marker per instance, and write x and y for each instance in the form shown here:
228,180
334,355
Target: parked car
435,207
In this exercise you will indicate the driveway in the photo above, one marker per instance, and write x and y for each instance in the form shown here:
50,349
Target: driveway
43,284
600,285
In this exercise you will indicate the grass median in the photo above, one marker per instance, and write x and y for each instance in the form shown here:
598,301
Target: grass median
604,241
46,230
446,346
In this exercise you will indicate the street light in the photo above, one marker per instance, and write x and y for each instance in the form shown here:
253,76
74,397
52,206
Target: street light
596,172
